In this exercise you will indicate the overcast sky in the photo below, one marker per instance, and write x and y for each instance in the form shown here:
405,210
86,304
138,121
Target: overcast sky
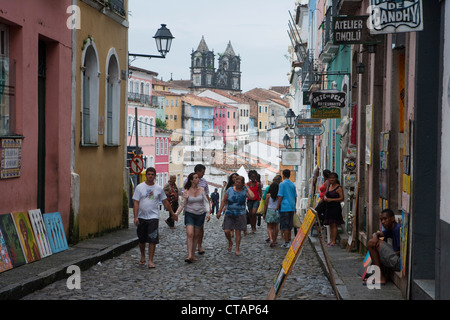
257,30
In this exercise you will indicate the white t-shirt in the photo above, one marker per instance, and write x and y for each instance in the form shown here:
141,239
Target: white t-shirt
149,197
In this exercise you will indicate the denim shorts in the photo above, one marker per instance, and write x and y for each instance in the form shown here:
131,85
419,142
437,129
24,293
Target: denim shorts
192,219
252,204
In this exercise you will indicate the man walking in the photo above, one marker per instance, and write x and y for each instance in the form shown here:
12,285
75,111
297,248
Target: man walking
215,201
171,191
146,214
287,199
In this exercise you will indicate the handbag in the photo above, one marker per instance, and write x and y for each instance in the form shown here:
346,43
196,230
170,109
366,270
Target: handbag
206,203
260,210
297,222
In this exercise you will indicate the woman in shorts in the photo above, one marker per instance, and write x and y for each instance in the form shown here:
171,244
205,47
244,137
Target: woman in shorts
235,215
195,206
271,216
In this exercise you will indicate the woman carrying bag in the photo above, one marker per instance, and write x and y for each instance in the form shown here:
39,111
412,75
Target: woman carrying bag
196,206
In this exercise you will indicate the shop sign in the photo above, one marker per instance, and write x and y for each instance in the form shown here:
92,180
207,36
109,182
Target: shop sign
351,30
393,16
327,104
11,158
309,127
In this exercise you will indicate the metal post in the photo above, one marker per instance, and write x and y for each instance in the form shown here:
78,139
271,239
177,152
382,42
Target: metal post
138,176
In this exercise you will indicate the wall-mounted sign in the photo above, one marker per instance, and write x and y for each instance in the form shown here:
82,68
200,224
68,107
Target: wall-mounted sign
11,158
392,16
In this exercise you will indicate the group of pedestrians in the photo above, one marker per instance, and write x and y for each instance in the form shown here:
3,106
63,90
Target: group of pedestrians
239,204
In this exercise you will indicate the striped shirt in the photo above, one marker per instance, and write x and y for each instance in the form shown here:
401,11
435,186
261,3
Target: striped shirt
201,183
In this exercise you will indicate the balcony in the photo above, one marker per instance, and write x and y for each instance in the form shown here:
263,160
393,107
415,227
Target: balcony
311,68
329,49
139,98
348,7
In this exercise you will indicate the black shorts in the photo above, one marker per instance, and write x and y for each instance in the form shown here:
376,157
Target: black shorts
147,231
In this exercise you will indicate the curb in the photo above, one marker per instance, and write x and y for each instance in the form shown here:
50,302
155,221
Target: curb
340,285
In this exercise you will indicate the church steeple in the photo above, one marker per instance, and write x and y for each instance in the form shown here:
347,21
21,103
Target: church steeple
229,50
202,46
202,66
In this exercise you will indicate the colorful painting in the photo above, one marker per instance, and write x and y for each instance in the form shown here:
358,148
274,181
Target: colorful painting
366,264
55,232
11,237
5,260
40,232
26,236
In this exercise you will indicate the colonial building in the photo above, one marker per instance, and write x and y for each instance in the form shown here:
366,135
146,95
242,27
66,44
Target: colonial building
35,107
100,63
203,72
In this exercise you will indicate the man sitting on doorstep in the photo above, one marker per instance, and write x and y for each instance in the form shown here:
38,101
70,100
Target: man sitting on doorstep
383,254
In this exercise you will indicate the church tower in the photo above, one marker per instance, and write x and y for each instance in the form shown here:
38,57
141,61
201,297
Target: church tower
228,76
202,67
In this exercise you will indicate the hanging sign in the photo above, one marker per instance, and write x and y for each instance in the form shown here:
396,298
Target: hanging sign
327,104
393,16
309,127
352,30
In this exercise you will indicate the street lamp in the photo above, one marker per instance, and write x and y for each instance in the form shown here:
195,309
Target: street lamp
290,118
287,141
163,38
360,68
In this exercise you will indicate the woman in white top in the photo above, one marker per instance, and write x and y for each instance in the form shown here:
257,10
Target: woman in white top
271,216
195,205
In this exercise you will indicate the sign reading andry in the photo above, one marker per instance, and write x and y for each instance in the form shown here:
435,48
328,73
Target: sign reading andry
327,99
392,16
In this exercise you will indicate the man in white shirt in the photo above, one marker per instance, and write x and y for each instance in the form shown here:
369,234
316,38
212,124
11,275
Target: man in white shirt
146,214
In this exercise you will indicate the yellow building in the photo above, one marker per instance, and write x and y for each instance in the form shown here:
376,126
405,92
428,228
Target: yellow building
172,109
99,173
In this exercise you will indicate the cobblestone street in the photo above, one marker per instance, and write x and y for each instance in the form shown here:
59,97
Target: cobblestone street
217,275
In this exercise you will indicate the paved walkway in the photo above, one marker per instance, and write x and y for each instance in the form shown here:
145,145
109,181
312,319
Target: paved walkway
110,271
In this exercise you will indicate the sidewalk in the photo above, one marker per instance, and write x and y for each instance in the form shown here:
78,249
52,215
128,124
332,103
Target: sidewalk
23,280
345,267
18,282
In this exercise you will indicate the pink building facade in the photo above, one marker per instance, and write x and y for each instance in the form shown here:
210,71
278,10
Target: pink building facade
225,122
162,144
35,113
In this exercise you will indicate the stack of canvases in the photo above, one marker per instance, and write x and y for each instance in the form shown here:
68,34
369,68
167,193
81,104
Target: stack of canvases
26,237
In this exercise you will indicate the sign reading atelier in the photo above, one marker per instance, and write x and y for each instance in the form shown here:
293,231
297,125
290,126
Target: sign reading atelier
351,30
392,16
